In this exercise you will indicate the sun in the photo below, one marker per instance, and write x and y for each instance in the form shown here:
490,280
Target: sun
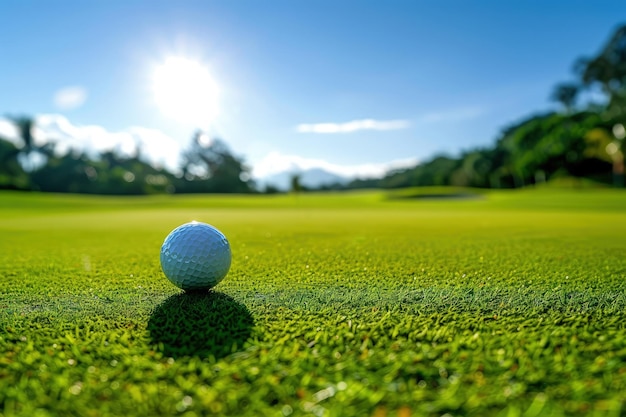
185,91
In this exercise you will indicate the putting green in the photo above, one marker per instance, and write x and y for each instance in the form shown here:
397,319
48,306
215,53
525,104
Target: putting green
512,303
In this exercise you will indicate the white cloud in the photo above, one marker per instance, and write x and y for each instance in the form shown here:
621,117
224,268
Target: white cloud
153,145
9,131
454,115
276,162
353,126
70,97
157,146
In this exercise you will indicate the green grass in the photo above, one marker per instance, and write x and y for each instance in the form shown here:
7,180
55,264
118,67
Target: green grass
358,304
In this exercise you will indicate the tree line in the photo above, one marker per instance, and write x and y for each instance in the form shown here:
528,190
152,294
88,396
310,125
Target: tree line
208,166
583,140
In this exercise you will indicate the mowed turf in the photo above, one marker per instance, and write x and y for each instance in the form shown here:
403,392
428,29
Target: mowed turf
361,304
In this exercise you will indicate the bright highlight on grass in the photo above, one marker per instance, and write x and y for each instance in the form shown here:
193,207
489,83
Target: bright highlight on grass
185,90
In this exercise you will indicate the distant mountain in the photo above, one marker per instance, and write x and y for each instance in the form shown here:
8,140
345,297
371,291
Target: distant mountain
310,178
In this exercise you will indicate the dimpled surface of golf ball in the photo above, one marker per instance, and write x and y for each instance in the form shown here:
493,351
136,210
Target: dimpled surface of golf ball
195,256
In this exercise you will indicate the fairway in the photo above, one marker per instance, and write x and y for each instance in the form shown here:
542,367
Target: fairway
509,303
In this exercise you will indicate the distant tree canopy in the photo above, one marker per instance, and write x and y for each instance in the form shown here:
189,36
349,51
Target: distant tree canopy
210,167
566,94
12,175
535,150
207,167
608,70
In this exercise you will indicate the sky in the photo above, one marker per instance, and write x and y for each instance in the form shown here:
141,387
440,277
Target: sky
354,87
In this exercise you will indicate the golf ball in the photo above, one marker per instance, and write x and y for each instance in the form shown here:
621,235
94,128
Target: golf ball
195,256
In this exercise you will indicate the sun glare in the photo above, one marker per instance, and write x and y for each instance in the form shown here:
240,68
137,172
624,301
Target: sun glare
185,91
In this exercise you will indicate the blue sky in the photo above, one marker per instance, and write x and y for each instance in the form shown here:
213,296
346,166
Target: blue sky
346,85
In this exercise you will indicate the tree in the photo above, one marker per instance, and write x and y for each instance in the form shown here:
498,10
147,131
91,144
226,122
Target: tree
32,156
29,154
608,69
12,176
210,167
25,125
63,174
566,94
296,185
474,169
604,146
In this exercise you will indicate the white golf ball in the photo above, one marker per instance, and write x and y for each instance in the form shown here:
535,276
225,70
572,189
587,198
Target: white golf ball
195,256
